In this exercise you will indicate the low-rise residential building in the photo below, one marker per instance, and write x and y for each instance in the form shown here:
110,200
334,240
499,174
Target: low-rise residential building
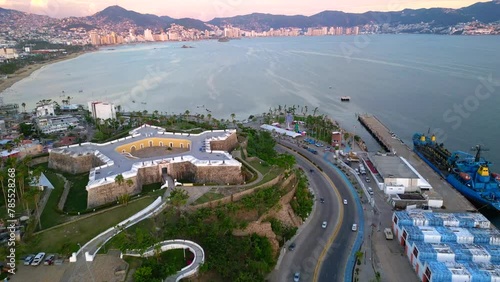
29,148
48,125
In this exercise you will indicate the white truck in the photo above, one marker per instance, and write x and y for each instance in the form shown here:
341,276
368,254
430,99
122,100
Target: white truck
388,234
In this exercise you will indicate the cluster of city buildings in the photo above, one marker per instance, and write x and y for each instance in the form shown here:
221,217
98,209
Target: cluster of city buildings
179,33
44,119
174,33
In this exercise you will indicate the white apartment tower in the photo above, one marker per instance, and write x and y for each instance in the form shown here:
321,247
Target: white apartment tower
102,110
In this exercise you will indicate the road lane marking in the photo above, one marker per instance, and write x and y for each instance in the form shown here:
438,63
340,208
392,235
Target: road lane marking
337,226
335,232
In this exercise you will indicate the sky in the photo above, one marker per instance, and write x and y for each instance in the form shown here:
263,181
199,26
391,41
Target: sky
209,9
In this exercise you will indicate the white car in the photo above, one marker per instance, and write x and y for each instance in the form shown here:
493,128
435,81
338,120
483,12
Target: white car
296,277
345,202
38,259
354,227
29,259
324,224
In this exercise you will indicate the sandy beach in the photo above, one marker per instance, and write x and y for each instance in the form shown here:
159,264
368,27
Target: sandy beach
28,70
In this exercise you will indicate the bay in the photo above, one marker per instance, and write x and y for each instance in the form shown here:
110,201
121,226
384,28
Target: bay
448,84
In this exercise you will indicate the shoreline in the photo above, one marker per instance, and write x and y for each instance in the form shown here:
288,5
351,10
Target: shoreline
26,71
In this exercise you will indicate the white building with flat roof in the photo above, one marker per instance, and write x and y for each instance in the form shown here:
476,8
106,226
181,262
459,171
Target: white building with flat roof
45,110
48,125
102,110
398,175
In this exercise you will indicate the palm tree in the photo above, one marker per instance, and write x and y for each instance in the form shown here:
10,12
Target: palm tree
209,117
118,108
315,110
68,99
3,176
129,182
119,179
24,106
186,114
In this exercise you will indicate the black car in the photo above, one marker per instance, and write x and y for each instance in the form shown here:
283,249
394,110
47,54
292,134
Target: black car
291,247
322,200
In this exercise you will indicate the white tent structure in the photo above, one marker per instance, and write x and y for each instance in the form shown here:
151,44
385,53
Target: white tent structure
281,131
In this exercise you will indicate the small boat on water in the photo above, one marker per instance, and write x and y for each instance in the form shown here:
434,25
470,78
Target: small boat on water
345,98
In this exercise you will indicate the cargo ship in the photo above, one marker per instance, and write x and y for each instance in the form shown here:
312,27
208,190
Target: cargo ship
467,173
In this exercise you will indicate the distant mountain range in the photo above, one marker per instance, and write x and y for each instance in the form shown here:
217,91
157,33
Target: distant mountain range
120,19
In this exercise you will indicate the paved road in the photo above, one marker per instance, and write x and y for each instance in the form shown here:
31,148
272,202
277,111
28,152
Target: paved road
312,239
335,259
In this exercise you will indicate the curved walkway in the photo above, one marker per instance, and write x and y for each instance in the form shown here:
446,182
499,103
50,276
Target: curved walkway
91,248
197,250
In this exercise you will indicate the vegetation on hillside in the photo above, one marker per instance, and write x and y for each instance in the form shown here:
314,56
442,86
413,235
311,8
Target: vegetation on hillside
261,144
246,258
303,200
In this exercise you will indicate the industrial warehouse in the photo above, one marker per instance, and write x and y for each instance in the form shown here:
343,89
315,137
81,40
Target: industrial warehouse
449,246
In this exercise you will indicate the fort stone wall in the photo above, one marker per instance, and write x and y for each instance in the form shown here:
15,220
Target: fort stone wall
148,175
110,192
73,163
220,174
225,145
182,170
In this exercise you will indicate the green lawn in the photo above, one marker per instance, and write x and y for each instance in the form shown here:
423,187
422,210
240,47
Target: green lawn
65,239
77,196
256,164
146,189
50,217
207,197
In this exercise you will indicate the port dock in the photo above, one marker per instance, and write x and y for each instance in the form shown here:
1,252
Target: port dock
453,200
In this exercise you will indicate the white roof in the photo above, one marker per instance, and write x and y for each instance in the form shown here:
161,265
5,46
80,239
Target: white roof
290,133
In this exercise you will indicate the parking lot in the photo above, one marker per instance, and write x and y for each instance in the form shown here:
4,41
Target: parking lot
41,273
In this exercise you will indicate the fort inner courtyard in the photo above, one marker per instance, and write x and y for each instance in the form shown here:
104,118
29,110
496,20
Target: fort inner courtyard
150,155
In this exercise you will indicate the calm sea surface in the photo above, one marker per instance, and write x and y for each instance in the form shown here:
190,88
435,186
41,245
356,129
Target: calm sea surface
450,84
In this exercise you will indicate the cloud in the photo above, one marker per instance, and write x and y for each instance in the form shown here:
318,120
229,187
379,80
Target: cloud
39,3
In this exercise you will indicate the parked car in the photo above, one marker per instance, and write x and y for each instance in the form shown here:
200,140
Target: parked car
291,247
38,259
29,259
324,224
322,200
296,277
354,227
367,179
49,260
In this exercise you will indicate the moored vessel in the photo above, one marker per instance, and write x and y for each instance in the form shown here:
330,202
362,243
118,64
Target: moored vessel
467,173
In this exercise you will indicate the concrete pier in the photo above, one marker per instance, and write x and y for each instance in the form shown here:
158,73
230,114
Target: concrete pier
453,200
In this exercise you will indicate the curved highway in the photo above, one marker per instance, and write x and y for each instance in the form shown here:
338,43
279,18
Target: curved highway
321,254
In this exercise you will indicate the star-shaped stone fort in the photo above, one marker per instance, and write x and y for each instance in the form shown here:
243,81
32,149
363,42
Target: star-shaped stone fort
150,155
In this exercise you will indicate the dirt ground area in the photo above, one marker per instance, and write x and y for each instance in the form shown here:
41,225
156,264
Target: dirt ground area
149,152
41,273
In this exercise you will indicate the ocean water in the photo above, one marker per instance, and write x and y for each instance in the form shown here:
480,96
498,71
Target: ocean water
447,84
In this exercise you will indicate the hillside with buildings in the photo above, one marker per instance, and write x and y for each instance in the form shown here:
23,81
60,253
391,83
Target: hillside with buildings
116,25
